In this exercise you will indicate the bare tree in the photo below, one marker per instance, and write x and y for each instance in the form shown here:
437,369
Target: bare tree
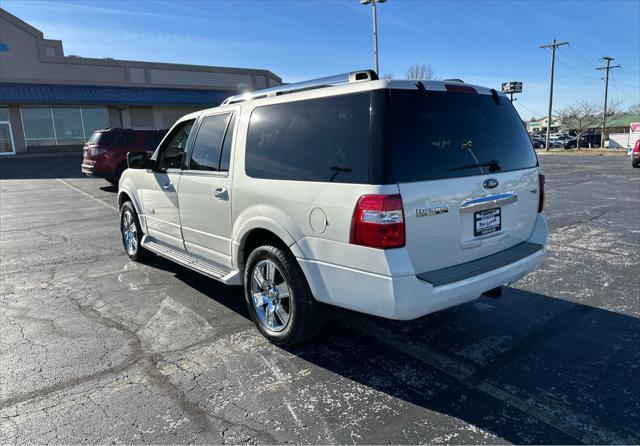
420,71
614,107
634,109
580,117
388,76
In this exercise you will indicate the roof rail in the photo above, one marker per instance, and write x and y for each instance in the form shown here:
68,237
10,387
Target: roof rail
453,80
346,78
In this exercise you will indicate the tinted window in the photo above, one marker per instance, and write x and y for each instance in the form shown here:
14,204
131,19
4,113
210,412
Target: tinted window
436,135
113,138
95,137
152,139
206,149
120,139
324,139
172,151
226,147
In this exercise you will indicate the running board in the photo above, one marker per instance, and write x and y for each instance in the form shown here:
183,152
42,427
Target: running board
185,259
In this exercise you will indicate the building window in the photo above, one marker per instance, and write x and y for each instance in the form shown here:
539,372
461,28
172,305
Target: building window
49,126
68,126
94,119
6,141
38,126
4,113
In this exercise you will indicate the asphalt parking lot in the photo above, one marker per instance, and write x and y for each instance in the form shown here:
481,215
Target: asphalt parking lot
98,349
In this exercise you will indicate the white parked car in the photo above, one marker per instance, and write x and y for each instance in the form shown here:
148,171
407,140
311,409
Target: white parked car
392,198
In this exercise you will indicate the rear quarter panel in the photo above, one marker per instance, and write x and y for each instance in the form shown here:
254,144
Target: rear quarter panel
285,208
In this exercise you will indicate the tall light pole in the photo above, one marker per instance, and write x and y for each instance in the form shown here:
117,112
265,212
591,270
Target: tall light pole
553,47
375,29
606,91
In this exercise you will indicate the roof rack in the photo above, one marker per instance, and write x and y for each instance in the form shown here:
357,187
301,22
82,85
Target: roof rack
453,80
346,78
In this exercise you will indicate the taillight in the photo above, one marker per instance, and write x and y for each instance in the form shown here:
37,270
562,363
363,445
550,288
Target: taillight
97,151
378,222
541,198
636,147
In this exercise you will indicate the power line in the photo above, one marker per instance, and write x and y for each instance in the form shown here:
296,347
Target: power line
574,71
634,70
576,61
614,84
535,113
588,63
637,86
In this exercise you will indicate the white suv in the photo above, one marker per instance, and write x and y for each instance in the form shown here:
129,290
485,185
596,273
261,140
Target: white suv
392,198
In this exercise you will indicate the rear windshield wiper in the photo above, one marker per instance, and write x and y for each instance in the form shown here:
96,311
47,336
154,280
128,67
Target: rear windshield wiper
494,166
337,170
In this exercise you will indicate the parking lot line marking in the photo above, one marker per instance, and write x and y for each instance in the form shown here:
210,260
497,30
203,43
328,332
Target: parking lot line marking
566,421
71,186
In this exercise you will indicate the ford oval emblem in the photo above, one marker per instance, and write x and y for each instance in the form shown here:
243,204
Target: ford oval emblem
490,183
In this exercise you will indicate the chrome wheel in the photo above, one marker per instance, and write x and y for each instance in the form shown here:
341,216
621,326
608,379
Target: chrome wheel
270,295
129,232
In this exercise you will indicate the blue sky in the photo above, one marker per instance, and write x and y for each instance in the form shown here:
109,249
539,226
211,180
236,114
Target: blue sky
483,42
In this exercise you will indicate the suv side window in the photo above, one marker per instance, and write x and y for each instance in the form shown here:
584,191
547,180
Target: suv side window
225,156
325,139
208,143
123,139
172,151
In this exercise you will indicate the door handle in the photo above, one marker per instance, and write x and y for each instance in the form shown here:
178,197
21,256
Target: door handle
168,187
482,203
220,193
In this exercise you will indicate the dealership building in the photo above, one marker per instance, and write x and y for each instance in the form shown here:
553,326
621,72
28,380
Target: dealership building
49,101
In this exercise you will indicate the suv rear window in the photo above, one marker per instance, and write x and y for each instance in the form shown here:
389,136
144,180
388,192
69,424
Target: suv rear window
437,135
113,138
325,139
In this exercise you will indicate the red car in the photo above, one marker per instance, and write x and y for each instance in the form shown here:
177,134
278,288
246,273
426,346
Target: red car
635,155
105,153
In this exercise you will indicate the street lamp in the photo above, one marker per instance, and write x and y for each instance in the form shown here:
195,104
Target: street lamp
375,29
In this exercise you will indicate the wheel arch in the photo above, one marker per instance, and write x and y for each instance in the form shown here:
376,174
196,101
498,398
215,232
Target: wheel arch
259,231
125,194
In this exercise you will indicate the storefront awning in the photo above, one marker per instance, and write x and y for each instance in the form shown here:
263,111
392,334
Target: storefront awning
18,93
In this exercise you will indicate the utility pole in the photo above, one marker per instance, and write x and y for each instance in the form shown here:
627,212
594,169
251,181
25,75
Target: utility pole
375,29
608,60
553,47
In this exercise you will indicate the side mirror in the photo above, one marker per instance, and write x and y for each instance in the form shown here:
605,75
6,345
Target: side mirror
140,160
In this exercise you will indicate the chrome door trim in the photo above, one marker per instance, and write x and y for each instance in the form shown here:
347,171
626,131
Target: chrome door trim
488,202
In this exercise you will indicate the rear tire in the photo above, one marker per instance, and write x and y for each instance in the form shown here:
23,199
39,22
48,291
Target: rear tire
116,179
635,163
278,297
132,233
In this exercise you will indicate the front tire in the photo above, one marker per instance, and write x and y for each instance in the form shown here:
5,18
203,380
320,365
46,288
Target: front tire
635,163
132,233
278,297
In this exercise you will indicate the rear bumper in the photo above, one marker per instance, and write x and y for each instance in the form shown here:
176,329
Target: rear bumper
406,296
96,169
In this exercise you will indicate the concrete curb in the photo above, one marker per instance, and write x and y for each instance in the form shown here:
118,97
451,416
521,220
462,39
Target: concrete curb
591,152
43,155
